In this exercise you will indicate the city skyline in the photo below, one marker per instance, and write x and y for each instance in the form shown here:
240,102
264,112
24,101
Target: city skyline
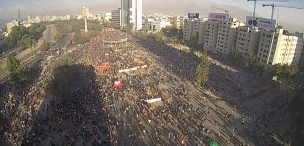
58,7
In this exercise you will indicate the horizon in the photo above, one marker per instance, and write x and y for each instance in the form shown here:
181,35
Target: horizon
58,7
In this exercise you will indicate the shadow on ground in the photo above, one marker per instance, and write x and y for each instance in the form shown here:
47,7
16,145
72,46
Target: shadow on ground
70,114
180,63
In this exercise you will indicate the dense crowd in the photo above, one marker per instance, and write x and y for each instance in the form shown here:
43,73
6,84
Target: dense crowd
99,114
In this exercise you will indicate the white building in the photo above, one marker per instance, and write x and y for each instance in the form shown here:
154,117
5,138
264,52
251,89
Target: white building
131,11
68,17
279,48
153,25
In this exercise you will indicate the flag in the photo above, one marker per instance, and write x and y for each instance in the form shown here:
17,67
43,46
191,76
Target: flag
100,67
117,83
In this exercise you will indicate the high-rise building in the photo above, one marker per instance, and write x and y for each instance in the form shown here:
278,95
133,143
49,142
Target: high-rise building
85,12
196,26
131,13
116,16
248,40
189,26
279,48
211,32
227,35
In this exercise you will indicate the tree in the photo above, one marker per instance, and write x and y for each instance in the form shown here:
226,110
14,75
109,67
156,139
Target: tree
205,49
17,72
250,61
44,46
33,47
278,69
203,71
193,38
293,69
129,28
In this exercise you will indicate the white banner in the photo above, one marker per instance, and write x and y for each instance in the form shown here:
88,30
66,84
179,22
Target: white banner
261,22
153,100
218,16
132,69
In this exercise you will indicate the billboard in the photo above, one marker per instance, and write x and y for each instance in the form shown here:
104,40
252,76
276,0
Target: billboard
193,15
261,22
218,16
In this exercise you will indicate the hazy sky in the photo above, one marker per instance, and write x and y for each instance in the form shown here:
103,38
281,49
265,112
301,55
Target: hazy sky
8,8
11,6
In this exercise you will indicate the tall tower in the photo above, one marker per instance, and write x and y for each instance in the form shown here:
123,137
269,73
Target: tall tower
19,15
85,11
85,25
131,12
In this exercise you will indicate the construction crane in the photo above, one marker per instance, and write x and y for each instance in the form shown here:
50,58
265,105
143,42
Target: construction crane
284,6
226,11
264,0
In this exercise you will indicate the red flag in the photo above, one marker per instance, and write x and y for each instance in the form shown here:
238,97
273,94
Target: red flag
117,83
101,67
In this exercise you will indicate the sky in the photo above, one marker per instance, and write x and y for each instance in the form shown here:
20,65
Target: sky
8,8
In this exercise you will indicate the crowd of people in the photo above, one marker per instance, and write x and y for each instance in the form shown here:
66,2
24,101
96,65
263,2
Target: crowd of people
99,114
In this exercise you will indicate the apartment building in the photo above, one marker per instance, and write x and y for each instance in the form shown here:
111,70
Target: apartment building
248,40
153,25
194,26
227,35
116,17
211,32
188,28
201,32
279,48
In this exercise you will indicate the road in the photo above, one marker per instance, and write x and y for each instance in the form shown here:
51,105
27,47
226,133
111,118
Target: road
25,55
49,33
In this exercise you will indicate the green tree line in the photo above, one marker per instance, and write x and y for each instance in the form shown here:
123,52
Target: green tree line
22,37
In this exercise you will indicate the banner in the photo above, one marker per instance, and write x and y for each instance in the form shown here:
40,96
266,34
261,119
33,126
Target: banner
193,15
261,22
218,16
153,100
117,83
132,69
101,67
